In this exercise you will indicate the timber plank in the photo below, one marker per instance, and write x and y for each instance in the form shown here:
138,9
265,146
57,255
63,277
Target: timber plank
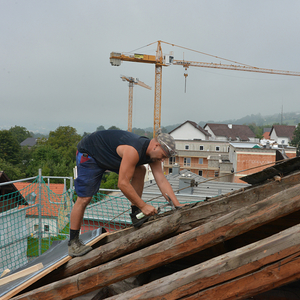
51,259
242,273
137,239
215,208
172,249
22,273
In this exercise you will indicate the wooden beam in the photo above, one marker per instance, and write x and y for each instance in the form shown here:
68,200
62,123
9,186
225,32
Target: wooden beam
239,274
137,239
215,208
21,274
6,271
45,271
172,249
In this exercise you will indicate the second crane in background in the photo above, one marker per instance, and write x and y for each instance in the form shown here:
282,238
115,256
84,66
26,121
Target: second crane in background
132,81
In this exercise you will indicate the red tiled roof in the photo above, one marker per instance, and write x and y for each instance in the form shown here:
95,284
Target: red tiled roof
266,135
51,198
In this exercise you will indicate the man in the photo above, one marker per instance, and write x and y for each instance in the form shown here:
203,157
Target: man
124,153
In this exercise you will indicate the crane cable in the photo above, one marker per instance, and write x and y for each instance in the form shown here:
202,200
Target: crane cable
197,51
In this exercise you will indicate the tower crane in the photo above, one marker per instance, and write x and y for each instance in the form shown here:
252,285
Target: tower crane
132,81
160,60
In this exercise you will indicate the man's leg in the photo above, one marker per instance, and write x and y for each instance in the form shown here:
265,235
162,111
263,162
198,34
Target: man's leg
76,247
78,211
86,183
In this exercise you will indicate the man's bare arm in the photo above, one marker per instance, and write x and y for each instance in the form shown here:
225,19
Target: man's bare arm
130,158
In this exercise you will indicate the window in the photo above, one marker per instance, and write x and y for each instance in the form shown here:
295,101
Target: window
200,161
200,172
201,148
46,228
172,160
170,170
36,227
217,148
187,147
186,161
216,174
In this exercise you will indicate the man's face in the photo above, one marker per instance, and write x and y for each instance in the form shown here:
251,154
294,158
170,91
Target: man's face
158,154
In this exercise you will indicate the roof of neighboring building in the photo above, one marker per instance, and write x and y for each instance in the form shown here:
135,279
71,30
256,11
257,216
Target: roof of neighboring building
233,132
266,135
52,198
29,142
245,145
10,188
284,131
119,204
194,124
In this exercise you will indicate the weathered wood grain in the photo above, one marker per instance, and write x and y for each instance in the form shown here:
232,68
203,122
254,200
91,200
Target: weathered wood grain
135,240
241,273
172,249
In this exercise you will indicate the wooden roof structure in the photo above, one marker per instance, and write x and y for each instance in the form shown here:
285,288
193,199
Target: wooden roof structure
242,245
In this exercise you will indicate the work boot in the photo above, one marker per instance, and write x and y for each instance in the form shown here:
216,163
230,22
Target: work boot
77,248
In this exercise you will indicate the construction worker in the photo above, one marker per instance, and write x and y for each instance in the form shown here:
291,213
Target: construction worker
125,153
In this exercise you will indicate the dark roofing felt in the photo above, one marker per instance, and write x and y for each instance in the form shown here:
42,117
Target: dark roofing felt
284,130
242,132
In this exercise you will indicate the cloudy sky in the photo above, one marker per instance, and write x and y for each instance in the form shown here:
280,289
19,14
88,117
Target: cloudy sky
55,70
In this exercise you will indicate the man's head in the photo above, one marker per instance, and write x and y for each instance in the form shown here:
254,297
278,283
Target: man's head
167,143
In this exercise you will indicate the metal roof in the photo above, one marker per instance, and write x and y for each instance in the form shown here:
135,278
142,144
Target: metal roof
116,207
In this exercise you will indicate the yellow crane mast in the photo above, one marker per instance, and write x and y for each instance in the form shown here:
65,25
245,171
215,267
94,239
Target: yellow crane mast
131,82
161,60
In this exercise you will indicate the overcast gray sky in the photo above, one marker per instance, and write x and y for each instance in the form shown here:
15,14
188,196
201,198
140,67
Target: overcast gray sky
55,68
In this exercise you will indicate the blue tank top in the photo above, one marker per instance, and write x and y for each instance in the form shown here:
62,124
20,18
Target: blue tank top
102,146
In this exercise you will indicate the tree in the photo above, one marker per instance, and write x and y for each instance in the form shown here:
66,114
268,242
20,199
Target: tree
113,128
296,139
20,133
13,172
65,140
9,147
110,181
99,128
49,160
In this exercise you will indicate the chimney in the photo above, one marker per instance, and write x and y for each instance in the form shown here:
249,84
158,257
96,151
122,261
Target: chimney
186,183
175,169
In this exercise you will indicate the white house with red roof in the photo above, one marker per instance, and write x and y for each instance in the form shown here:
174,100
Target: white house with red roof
54,211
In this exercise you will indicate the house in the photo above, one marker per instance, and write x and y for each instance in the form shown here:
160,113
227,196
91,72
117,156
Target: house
9,194
282,134
189,131
29,142
54,211
198,152
205,151
13,232
230,132
249,158
206,158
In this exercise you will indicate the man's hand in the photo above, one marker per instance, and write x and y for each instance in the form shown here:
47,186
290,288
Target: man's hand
148,210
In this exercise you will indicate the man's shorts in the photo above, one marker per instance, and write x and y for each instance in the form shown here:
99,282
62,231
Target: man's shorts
89,175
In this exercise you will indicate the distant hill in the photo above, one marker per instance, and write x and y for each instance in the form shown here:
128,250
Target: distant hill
259,120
